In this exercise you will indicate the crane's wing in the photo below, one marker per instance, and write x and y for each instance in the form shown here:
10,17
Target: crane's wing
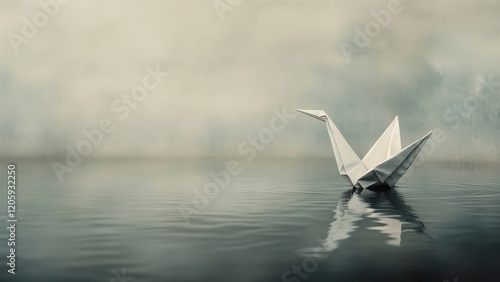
388,144
391,170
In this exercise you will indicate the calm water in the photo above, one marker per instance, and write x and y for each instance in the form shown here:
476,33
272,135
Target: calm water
274,217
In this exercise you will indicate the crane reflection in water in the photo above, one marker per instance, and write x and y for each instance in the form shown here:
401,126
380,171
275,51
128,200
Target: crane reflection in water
384,212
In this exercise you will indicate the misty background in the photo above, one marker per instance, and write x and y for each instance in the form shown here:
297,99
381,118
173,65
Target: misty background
227,75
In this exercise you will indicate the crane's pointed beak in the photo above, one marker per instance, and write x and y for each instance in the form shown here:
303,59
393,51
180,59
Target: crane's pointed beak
317,114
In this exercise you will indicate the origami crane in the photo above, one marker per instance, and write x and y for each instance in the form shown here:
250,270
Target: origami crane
384,164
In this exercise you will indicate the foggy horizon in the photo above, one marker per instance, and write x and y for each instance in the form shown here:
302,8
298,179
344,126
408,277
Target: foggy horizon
227,75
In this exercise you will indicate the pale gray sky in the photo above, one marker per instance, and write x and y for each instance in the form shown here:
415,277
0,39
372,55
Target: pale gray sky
227,76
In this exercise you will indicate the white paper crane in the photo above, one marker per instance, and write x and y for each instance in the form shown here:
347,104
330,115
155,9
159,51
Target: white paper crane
385,162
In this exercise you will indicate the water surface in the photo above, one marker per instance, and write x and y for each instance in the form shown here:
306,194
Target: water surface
110,216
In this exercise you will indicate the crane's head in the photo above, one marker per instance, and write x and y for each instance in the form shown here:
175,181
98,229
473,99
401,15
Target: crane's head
317,114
